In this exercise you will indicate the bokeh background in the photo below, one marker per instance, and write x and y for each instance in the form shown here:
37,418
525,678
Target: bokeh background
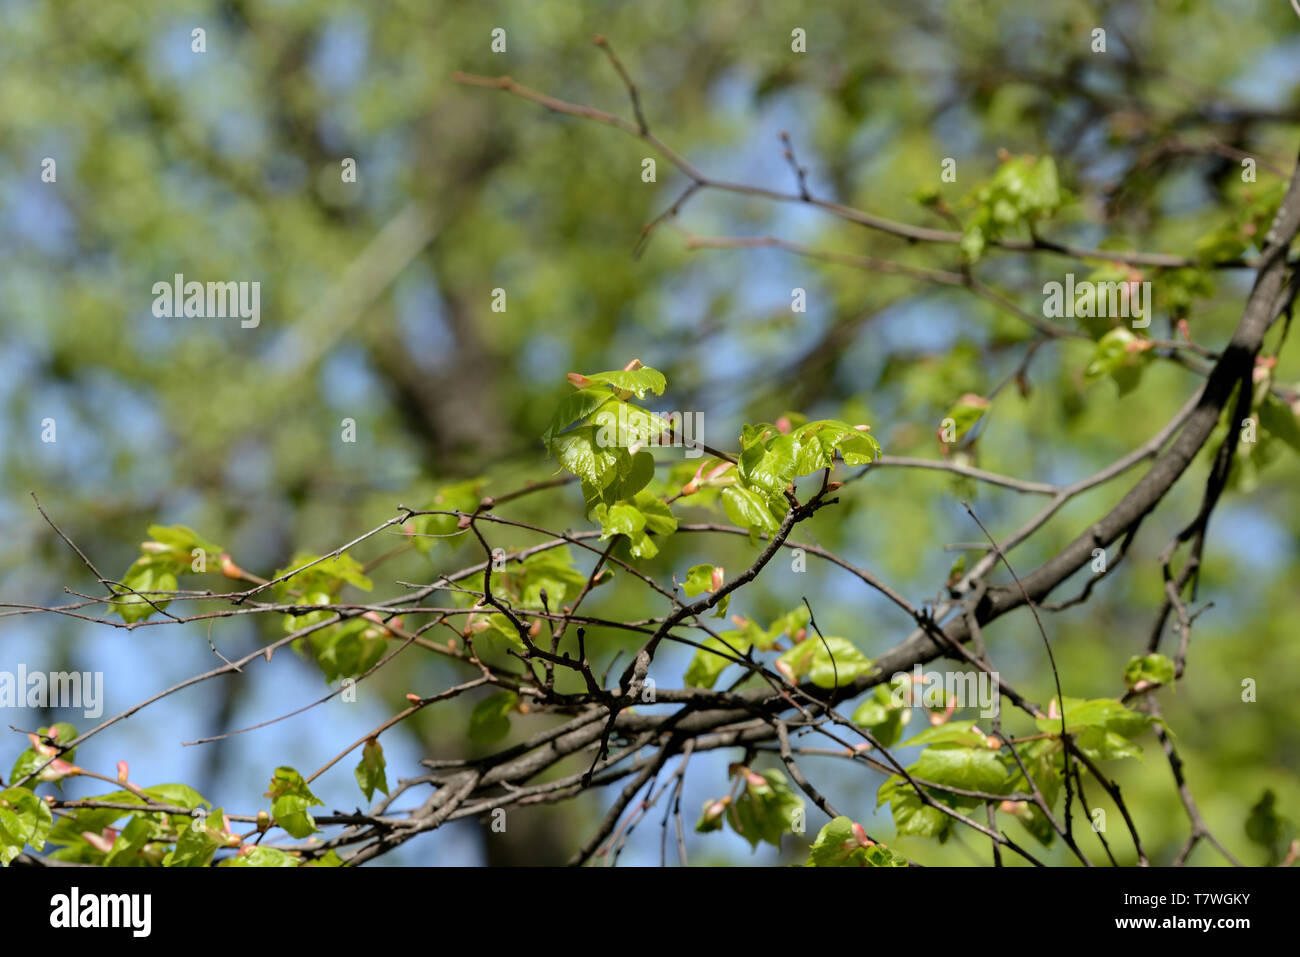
376,306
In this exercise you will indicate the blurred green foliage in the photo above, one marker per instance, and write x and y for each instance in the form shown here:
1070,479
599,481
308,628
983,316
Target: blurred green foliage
377,299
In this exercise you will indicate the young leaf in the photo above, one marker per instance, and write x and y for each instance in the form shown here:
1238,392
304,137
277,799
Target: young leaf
25,819
370,772
1154,669
290,799
842,843
490,719
766,809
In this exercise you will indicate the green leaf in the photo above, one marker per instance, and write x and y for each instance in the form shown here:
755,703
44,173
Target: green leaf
1102,728
963,733
640,470
708,663
552,570
131,842
25,819
836,661
260,856
574,407
1268,829
1122,356
699,579
1102,713
427,530
348,649
912,816
841,844
1278,420
817,443
766,811
972,769
823,660
623,425
326,577
172,547
1155,669
748,509
330,859
502,627
965,413
490,719
769,465
791,623
578,453
182,795
370,772
199,841
1023,190
620,519
882,716
290,799
139,591
635,381
658,516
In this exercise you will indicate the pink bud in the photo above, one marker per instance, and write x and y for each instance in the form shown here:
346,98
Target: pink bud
718,578
860,835
633,366
413,698
122,771
578,379
58,769
783,425
100,842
